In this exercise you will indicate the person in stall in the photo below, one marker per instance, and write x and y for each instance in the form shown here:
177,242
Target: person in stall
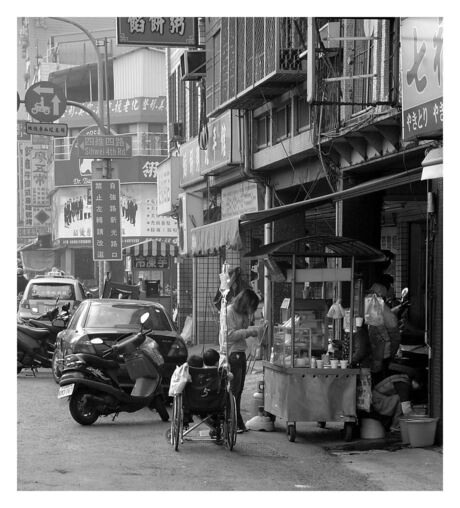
375,348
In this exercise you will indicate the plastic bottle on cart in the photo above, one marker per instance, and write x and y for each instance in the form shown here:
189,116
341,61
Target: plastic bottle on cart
272,356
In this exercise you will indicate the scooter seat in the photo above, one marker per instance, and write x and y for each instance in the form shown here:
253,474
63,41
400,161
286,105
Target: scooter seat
35,333
98,362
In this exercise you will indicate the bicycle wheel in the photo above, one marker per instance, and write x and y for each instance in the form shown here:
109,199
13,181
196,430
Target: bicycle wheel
230,421
177,421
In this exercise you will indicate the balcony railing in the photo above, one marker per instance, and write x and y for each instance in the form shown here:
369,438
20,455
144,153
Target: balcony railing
146,144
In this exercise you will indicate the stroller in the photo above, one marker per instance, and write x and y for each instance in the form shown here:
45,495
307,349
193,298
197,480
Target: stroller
209,397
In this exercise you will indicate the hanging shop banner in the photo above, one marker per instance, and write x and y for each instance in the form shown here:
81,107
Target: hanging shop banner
172,32
422,82
105,197
132,110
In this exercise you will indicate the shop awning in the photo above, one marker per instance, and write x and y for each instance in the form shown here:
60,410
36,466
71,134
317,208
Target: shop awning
378,184
151,248
432,164
316,245
224,233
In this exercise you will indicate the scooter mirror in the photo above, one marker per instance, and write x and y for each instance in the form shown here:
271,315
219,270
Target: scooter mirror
144,317
404,292
97,340
58,323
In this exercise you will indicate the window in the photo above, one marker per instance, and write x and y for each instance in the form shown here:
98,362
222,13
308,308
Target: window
303,114
282,122
262,125
51,291
216,68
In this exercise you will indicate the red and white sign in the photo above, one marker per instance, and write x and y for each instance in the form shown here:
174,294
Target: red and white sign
168,177
422,77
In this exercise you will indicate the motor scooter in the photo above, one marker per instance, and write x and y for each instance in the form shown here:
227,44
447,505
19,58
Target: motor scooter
37,339
91,385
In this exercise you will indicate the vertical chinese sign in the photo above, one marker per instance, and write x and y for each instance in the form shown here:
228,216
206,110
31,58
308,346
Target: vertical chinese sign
422,77
106,220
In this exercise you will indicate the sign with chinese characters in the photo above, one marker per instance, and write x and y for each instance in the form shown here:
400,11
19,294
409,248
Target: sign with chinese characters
132,110
192,157
151,262
35,182
239,198
168,176
222,143
76,171
104,147
58,130
172,32
106,220
422,77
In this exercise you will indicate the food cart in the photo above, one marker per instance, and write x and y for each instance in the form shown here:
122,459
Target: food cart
293,390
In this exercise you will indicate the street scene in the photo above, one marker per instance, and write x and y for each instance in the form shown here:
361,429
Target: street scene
230,254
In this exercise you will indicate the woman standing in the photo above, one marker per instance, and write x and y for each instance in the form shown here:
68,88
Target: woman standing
239,316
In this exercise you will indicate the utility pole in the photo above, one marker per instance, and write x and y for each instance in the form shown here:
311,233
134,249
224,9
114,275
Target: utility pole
102,266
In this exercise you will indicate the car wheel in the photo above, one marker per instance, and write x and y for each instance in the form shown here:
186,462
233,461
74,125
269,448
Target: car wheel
55,368
82,412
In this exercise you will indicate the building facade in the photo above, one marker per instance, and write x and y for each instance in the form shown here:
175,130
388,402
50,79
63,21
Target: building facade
323,141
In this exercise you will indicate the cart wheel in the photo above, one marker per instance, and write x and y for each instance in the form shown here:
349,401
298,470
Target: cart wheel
322,425
291,432
230,421
349,426
177,421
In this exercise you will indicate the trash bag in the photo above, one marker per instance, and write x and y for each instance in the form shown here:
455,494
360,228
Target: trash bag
179,379
373,310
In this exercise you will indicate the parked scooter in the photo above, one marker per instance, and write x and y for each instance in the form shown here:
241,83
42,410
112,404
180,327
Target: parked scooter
91,383
37,339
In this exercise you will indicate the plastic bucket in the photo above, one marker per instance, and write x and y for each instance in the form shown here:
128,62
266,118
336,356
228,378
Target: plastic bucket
421,431
371,429
403,426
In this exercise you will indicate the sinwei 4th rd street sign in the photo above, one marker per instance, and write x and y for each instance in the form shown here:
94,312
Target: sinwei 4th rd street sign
104,147
45,101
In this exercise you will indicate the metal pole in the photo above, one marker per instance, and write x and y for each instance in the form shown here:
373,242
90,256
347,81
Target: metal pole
100,100
268,296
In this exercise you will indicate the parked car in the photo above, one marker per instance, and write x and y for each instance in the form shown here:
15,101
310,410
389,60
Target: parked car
43,291
109,319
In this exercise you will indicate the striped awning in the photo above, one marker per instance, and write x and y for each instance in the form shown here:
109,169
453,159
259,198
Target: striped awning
151,248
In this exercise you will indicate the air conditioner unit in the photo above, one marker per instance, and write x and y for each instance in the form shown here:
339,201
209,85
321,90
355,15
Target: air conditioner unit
190,215
192,65
329,32
177,131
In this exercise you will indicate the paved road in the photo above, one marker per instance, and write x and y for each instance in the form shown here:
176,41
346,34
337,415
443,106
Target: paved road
132,453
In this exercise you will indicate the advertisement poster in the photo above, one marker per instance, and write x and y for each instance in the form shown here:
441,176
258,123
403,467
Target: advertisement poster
138,211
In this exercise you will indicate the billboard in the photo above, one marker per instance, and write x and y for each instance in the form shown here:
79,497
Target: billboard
72,211
422,77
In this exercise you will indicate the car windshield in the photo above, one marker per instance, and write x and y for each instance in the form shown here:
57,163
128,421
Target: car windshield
119,315
50,291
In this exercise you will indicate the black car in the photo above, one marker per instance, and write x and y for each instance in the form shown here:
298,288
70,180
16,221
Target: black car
109,319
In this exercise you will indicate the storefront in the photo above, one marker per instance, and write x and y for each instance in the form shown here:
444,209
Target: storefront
152,264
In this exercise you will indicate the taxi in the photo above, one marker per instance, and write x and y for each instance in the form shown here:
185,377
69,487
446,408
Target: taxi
44,292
